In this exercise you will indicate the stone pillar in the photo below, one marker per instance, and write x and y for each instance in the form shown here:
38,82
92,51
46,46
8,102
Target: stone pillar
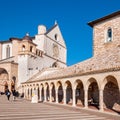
40,95
45,97
64,96
25,92
101,100
37,92
74,97
56,91
86,98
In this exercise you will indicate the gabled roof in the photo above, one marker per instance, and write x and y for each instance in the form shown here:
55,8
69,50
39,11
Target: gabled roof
51,28
92,23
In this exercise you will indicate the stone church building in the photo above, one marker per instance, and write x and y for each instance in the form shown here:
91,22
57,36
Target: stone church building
21,59
93,82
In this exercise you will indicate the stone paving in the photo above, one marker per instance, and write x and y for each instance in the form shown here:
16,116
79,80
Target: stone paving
25,110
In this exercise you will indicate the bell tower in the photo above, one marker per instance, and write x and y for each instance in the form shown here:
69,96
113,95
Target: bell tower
40,38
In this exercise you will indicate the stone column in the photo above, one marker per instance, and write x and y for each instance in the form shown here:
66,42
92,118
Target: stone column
50,95
101,100
74,97
40,94
37,92
30,94
45,97
86,98
56,91
25,93
64,95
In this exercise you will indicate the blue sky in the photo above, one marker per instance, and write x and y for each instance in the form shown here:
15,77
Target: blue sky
20,16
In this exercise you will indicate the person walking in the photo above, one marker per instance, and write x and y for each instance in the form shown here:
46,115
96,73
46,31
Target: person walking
8,94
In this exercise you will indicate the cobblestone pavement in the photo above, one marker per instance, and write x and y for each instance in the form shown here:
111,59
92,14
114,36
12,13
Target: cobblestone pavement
25,110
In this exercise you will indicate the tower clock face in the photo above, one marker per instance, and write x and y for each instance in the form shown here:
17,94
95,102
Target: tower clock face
55,50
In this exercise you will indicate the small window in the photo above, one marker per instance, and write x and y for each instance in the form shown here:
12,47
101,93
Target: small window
56,37
109,35
31,48
55,65
7,51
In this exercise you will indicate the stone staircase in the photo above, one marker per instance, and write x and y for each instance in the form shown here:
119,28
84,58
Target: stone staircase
21,109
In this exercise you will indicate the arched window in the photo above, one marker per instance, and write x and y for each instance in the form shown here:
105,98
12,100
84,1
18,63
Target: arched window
109,35
23,48
7,51
56,37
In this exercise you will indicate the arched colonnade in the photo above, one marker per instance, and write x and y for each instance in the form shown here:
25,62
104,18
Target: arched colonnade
101,90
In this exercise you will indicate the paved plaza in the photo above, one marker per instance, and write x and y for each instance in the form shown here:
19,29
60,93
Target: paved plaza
25,110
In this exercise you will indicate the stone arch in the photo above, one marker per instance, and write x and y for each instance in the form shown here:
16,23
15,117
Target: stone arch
78,84
109,78
60,91
111,93
93,92
4,80
68,86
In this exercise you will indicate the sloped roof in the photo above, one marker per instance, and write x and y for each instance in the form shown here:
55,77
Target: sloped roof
10,59
43,74
51,29
96,64
92,23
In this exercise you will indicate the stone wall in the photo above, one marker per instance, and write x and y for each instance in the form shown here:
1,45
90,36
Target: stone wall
100,35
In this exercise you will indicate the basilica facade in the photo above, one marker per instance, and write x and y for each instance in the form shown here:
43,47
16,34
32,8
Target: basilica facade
22,58
95,81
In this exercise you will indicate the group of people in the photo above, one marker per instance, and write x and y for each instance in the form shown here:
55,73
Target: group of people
8,93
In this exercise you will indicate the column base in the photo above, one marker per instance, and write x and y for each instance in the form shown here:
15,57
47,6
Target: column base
74,105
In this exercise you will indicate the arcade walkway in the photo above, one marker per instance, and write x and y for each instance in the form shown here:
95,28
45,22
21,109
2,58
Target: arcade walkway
24,110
